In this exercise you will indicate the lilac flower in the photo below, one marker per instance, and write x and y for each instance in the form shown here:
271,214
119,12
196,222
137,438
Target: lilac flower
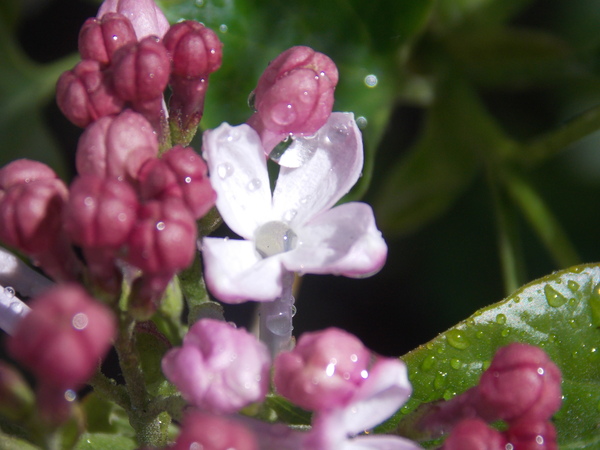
295,229
145,16
220,368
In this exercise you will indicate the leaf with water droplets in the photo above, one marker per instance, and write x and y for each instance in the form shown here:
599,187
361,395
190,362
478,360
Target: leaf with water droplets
559,313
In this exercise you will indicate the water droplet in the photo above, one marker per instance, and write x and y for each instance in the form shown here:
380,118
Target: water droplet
362,122
457,339
233,135
509,447
254,185
224,170
479,334
501,319
338,134
160,226
80,321
279,324
573,285
448,394
553,297
428,363
252,101
371,80
16,307
595,305
294,310
223,28
9,292
70,395
187,180
573,302
273,238
505,332
299,150
289,215
199,3
283,113
89,202
364,374
440,380
455,363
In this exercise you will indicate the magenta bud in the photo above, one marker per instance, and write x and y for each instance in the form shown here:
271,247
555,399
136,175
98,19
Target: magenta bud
294,95
208,432
163,240
323,370
32,214
180,173
100,212
100,38
219,368
141,70
195,50
522,381
475,434
64,337
24,171
116,146
145,15
84,94
532,435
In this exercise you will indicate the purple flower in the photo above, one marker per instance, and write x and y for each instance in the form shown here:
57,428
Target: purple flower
220,368
294,229
145,16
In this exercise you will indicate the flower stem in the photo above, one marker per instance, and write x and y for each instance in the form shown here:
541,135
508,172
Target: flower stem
200,305
543,221
276,318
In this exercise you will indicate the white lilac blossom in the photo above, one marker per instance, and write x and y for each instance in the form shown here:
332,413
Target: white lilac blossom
294,229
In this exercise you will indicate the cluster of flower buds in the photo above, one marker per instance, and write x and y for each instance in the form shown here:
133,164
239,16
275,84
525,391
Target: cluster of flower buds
129,57
522,387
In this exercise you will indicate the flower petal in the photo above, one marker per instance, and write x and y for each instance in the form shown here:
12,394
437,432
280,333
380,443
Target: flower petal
238,173
303,192
384,391
341,241
379,442
235,273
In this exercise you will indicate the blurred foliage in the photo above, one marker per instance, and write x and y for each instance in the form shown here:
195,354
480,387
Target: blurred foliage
480,127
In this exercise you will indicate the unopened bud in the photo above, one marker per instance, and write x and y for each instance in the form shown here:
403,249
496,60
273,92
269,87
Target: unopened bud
84,94
474,434
100,38
532,435
195,50
145,15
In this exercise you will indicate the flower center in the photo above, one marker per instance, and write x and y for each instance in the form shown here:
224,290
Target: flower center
273,238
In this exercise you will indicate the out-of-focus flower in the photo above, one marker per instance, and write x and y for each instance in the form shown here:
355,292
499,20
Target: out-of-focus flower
294,229
85,94
323,370
294,95
100,38
145,16
100,212
64,337
209,432
179,173
219,368
116,146
532,435
475,434
24,171
162,240
358,390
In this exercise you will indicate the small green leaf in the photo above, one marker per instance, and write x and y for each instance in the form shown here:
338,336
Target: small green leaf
101,441
277,408
105,417
557,313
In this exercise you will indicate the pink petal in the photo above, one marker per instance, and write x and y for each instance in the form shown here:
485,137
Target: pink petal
238,173
315,186
341,241
379,442
235,273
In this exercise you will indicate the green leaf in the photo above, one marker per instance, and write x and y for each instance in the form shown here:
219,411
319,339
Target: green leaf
277,409
559,313
105,417
151,346
13,443
101,441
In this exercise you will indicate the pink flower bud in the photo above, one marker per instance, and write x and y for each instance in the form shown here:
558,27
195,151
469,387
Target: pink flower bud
141,70
195,50
64,337
163,240
294,95
522,381
180,173
208,432
100,38
532,435
101,211
84,94
323,371
24,171
475,434
32,214
219,368
146,17
116,146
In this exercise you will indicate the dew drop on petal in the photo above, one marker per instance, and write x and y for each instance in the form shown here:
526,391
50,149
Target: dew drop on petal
160,226
16,307
283,114
188,180
9,291
80,321
70,395
88,201
224,170
279,324
364,374
273,238
254,185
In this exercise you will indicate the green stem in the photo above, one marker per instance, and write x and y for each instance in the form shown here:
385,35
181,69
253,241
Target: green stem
509,245
543,222
110,390
194,290
554,141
